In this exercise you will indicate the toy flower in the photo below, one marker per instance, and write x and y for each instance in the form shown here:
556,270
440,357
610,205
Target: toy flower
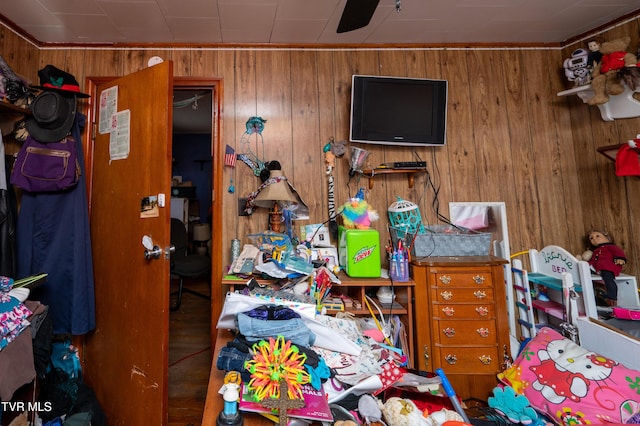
275,361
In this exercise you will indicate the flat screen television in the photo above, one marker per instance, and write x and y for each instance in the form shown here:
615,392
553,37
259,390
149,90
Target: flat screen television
398,111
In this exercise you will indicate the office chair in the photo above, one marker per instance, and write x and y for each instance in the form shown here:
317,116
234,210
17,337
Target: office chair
185,265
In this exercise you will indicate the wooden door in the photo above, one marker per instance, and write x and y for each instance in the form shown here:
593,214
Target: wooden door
127,354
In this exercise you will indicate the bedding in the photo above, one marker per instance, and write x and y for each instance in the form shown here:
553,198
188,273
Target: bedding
573,385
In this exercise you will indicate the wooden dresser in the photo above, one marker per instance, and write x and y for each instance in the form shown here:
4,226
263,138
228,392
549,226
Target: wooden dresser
461,322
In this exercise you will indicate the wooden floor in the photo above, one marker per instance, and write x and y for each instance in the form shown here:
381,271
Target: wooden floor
189,356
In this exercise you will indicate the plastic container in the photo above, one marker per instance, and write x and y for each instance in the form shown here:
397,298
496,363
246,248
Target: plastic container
359,252
405,215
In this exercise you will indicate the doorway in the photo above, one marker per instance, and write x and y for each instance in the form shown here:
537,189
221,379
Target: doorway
190,349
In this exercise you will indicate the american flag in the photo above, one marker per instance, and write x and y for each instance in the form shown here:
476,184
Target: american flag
230,157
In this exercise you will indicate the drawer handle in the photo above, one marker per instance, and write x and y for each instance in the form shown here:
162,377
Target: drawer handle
451,359
479,294
483,332
445,279
448,311
485,359
446,295
449,331
478,279
483,311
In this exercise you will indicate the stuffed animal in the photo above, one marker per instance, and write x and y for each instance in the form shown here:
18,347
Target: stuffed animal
402,412
357,213
631,77
604,77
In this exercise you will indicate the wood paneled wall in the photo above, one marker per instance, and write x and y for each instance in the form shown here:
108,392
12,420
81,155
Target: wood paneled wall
510,137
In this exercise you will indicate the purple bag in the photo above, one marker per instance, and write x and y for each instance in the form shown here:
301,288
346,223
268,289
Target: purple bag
46,167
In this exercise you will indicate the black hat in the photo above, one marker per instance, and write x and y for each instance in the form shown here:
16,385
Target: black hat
52,78
52,116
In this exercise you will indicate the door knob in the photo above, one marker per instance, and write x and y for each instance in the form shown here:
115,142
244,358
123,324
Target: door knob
154,253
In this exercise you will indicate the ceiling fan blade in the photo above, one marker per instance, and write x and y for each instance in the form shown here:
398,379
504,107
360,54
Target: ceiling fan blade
356,14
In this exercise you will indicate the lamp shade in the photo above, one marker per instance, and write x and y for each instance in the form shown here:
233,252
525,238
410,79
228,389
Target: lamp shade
201,232
276,189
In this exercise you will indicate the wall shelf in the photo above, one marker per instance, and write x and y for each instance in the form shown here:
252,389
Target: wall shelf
619,106
372,173
8,108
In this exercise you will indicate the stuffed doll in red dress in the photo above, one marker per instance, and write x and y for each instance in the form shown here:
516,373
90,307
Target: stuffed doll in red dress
607,259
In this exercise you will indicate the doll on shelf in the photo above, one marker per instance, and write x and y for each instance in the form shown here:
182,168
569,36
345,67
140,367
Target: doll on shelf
230,391
594,52
607,260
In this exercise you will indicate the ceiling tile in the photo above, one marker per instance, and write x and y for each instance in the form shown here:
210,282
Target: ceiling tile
91,27
304,10
133,14
71,6
189,8
303,30
257,19
195,30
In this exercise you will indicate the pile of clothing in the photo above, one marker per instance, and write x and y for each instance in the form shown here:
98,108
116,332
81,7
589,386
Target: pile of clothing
13,313
358,375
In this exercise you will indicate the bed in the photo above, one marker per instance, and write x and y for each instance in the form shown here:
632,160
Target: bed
555,268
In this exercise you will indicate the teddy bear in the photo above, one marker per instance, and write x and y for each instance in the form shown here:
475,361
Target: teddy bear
604,77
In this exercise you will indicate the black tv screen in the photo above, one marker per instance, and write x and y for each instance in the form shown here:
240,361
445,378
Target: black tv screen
398,111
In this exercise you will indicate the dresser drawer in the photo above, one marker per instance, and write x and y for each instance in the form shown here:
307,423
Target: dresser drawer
460,359
464,279
477,333
462,295
481,310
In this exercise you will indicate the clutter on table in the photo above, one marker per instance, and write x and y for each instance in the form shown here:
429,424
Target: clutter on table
301,354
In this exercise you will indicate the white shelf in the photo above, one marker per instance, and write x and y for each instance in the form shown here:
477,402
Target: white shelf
619,106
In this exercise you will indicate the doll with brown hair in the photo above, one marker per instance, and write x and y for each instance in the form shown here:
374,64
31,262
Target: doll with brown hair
607,260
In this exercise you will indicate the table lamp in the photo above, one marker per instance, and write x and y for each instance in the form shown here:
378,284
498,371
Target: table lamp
275,194
201,236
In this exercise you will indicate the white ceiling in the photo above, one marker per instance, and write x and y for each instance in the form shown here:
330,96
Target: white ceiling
192,111
309,21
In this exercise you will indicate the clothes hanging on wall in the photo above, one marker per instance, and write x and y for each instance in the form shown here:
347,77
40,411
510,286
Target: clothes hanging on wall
53,236
627,161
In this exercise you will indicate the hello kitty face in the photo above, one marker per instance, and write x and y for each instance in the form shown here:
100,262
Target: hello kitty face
566,370
575,359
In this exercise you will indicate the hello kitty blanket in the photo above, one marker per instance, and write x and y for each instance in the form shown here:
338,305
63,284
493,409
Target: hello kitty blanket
573,385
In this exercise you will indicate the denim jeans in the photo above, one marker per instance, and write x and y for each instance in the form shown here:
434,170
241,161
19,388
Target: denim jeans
294,329
232,359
